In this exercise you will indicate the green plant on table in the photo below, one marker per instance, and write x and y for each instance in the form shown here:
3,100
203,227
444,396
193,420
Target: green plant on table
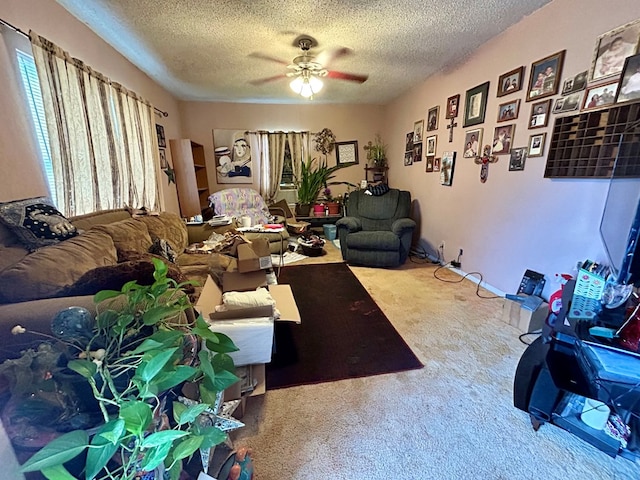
138,349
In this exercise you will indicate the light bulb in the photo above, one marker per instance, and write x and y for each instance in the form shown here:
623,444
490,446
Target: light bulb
296,84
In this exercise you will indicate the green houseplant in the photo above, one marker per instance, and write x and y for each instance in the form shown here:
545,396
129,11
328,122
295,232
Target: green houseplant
377,152
136,351
314,175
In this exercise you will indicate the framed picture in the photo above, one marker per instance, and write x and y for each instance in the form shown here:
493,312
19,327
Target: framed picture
409,142
510,82
418,127
536,144
417,152
162,142
600,96
472,142
568,103
431,145
539,114
432,118
408,158
234,161
452,106
429,162
447,166
575,84
612,48
502,137
475,105
518,156
347,153
163,159
508,111
630,82
545,76
436,164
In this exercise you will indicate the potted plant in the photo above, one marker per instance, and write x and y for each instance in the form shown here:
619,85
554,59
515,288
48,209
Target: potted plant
333,206
314,175
131,356
377,152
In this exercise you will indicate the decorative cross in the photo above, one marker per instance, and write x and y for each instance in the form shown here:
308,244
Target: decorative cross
484,161
452,123
367,148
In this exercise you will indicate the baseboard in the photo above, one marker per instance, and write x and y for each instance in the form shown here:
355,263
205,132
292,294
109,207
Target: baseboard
476,280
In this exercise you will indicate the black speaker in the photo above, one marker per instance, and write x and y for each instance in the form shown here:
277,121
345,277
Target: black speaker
527,373
544,397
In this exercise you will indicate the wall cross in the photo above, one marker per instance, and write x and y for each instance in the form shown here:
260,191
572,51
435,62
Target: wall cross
484,161
452,123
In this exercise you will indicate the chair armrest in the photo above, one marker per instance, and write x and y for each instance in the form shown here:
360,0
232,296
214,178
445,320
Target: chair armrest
278,215
351,224
402,225
200,233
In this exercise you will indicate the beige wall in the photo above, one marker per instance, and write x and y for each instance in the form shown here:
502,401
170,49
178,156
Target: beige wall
517,220
347,122
50,20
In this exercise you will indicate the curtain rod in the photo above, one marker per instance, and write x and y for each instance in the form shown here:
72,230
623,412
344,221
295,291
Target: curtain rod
14,28
160,113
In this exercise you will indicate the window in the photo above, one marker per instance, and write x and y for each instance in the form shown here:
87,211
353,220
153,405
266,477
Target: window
31,84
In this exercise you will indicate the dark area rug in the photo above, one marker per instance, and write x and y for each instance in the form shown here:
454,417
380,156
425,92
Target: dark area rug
343,332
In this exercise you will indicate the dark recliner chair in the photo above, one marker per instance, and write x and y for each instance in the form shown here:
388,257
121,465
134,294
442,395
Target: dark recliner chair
377,230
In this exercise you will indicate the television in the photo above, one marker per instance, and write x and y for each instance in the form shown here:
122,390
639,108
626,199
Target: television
620,223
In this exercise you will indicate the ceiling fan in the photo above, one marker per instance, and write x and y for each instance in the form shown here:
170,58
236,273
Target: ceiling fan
306,69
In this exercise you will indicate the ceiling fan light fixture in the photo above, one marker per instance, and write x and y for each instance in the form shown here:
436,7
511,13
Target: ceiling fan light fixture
306,85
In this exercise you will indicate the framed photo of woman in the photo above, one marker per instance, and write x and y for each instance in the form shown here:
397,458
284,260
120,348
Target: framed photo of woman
612,48
510,82
630,83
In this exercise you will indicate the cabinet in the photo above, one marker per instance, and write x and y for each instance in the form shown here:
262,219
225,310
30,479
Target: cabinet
376,174
191,176
587,144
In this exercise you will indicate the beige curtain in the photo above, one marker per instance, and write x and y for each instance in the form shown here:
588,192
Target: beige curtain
299,147
259,143
93,127
273,166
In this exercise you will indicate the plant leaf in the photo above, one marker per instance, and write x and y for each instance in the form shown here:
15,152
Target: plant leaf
160,438
156,455
103,295
224,380
212,436
57,473
58,451
186,447
222,361
207,392
223,345
99,454
150,368
205,365
175,470
136,415
86,368
157,314
178,408
166,380
191,413
160,339
112,431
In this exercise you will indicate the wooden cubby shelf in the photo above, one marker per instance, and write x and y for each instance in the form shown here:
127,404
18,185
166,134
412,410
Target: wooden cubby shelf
585,145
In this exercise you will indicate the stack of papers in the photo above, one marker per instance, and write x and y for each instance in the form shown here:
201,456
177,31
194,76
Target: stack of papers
219,220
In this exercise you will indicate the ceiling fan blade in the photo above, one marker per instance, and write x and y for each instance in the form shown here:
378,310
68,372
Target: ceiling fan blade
262,81
352,77
327,56
269,58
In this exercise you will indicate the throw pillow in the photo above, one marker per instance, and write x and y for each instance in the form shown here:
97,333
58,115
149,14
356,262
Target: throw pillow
163,248
378,190
36,222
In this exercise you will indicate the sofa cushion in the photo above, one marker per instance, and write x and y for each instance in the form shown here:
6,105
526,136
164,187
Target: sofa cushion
36,222
167,226
130,234
48,271
374,241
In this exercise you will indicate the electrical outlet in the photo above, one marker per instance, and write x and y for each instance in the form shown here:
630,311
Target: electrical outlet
460,254
441,246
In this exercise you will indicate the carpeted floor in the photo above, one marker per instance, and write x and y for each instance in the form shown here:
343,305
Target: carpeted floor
454,419
344,334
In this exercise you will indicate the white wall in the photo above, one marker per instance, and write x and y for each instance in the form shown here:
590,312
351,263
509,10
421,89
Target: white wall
517,220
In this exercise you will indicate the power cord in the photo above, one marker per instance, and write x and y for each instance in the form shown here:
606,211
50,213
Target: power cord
478,274
523,335
419,255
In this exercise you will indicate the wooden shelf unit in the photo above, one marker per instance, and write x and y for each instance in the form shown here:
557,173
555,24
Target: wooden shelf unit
586,145
191,176
378,175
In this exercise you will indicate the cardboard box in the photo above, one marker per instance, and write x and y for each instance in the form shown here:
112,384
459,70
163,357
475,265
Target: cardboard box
523,319
254,255
212,295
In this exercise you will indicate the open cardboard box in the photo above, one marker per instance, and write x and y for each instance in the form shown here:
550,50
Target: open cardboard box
211,296
254,255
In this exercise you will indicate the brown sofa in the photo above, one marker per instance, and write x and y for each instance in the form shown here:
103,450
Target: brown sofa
111,249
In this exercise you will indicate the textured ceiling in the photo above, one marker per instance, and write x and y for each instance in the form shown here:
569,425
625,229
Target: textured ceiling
202,49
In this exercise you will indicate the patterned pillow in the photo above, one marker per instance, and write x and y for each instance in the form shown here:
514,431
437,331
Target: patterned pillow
36,222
